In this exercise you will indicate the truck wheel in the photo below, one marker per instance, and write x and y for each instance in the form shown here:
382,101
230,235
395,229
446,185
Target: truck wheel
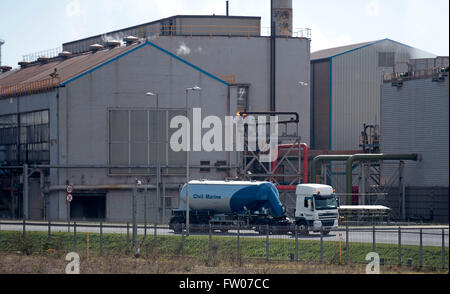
325,232
176,225
303,228
262,230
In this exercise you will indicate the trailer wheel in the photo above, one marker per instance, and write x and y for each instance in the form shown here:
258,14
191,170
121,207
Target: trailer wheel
262,230
303,228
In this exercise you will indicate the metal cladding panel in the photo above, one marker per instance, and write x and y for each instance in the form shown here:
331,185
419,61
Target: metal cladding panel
218,26
415,119
356,80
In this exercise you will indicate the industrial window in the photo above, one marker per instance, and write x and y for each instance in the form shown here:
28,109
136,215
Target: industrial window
28,132
206,165
386,59
242,98
134,140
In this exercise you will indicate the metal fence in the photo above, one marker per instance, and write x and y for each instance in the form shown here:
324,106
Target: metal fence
418,247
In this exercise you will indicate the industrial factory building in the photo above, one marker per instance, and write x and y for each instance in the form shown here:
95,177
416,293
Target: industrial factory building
99,117
345,91
415,119
80,117
354,110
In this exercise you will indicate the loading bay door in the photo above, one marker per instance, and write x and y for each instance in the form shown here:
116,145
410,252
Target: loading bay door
88,207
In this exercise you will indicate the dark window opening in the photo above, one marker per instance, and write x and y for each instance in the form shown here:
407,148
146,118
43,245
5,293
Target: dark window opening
206,168
88,207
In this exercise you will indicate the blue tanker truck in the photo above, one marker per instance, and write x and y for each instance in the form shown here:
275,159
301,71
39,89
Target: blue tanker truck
256,206
224,204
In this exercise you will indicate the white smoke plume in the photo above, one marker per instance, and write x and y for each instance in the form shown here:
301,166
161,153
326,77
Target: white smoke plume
114,37
183,49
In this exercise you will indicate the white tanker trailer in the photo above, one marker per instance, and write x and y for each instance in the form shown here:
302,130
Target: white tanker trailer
226,203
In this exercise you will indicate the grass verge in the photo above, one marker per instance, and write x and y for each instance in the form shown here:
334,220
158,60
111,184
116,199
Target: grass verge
220,249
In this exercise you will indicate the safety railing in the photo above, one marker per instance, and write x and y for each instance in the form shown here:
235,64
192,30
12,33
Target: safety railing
49,53
219,30
412,75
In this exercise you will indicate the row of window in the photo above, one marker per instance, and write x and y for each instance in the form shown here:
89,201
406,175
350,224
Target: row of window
25,137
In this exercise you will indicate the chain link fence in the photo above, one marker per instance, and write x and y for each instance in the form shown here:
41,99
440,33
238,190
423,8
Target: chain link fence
418,247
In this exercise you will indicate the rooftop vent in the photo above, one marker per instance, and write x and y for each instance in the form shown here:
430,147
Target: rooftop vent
130,40
5,68
64,55
113,44
95,47
43,60
23,64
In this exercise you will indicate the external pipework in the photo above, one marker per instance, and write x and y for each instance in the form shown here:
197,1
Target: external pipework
359,157
318,160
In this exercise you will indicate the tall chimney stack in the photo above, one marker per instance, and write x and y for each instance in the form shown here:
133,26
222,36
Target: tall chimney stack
228,8
282,17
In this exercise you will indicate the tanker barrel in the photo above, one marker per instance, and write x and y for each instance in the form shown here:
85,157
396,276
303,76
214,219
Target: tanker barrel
232,197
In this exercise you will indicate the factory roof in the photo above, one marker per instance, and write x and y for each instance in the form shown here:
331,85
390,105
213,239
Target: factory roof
331,52
336,51
48,74
65,68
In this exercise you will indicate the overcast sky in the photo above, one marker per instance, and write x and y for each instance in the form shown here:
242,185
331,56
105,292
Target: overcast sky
29,26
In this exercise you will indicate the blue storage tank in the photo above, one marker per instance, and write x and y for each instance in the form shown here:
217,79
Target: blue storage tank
232,197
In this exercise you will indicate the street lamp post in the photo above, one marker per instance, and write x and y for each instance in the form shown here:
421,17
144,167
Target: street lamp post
158,169
188,146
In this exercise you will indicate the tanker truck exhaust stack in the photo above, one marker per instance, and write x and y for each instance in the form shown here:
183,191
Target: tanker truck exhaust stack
228,203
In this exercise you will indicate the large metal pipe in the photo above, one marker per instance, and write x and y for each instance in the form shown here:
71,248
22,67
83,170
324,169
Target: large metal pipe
318,159
106,187
25,195
359,157
272,103
105,166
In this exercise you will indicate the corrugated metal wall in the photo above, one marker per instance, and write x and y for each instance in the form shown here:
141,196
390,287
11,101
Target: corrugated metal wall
415,119
179,25
356,80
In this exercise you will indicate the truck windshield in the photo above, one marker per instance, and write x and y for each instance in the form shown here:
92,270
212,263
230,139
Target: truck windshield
325,202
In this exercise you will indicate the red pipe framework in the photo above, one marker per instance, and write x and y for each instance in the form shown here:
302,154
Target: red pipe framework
304,146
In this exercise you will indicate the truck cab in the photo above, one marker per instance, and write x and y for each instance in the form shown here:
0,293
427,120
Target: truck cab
316,208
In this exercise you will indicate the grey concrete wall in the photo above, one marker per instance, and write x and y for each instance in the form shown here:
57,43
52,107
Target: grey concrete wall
122,84
248,60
